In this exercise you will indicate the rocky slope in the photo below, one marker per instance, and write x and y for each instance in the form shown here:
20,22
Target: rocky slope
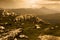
31,26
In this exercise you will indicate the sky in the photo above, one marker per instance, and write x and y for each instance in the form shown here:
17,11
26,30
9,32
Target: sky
29,3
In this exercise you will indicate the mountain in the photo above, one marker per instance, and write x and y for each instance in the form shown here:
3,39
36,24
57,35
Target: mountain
40,11
47,10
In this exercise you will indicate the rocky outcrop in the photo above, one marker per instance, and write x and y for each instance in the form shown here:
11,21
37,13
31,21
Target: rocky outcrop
49,37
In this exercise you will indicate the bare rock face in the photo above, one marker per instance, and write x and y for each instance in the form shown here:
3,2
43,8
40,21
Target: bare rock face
11,34
49,37
28,17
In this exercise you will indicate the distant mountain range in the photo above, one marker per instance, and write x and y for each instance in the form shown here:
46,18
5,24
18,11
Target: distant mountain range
40,11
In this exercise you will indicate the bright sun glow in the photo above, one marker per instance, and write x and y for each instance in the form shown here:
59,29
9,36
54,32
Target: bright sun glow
31,3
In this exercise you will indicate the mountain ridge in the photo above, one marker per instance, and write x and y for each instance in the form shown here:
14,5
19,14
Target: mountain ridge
41,11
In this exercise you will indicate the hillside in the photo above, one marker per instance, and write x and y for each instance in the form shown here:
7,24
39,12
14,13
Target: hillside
53,18
31,27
